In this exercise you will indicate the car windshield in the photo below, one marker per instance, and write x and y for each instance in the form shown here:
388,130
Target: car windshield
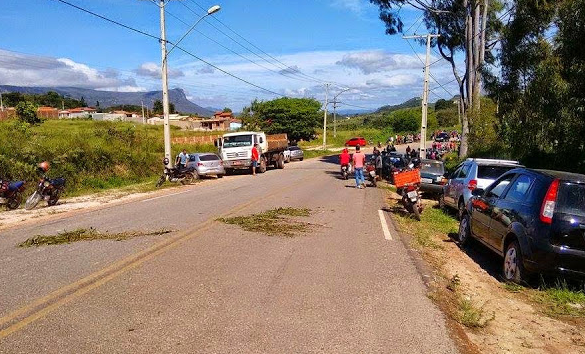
492,172
432,167
208,158
237,141
571,199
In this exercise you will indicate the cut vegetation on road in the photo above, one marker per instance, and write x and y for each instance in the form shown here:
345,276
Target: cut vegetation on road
274,222
90,234
485,313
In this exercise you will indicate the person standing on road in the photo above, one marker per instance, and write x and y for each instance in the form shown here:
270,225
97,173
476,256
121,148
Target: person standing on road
182,159
359,159
255,159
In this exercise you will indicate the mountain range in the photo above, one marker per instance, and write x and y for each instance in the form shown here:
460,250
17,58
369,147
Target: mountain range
112,98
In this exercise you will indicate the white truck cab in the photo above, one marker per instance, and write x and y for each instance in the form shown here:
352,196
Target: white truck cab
235,149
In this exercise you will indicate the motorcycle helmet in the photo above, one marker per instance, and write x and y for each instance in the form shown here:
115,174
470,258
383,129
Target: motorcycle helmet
166,161
44,166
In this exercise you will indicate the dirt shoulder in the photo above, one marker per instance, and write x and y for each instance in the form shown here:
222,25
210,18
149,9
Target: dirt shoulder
486,315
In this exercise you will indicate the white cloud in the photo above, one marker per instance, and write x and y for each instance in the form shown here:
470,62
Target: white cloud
153,70
29,70
374,61
355,6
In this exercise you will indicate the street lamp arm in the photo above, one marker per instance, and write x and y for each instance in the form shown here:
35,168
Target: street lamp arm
186,34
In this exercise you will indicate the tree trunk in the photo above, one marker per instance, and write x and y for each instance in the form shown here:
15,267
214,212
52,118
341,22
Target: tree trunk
469,79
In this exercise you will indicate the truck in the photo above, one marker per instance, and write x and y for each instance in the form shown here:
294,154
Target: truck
235,150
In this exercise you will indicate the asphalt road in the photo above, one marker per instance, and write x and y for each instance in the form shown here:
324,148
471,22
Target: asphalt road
345,287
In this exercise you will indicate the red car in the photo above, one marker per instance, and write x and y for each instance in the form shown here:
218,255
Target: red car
356,142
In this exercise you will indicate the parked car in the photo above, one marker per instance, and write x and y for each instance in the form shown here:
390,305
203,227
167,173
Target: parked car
535,219
432,176
356,142
206,164
471,174
296,153
442,137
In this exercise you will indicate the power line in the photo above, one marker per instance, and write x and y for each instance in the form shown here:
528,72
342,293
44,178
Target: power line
178,47
233,51
285,66
431,75
109,20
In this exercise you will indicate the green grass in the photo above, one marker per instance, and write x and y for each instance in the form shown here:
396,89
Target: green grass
472,316
562,299
433,222
85,235
318,153
275,222
91,155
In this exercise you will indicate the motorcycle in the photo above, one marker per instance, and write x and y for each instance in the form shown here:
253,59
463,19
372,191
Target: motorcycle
11,193
47,189
371,172
411,200
408,183
184,175
345,171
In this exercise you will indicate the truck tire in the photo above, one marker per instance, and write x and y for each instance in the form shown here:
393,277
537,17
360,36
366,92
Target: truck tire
280,162
262,167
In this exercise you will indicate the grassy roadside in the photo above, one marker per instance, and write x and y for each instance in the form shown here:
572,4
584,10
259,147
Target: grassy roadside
92,155
476,302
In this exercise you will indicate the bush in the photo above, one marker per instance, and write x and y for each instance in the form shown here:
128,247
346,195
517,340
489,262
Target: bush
26,112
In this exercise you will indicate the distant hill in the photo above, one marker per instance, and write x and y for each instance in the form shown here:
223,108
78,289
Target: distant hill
411,103
113,98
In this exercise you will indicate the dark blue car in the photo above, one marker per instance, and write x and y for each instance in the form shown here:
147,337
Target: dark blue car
534,219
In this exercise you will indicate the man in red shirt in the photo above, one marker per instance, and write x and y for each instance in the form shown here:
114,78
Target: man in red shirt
255,159
344,157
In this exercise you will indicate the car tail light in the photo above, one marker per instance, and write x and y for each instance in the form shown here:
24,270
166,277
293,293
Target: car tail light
472,184
199,164
548,204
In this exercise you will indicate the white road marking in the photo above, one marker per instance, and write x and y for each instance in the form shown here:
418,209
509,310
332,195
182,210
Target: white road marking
387,234
164,196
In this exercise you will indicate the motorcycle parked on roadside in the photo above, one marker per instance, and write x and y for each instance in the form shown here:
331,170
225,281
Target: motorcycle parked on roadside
47,189
11,193
173,174
407,183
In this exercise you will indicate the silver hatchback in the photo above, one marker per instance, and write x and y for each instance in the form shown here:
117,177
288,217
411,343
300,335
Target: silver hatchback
471,174
296,153
206,164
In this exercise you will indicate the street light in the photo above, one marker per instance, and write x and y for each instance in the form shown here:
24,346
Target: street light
335,112
164,70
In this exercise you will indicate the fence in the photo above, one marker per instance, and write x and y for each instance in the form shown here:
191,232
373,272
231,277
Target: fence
204,139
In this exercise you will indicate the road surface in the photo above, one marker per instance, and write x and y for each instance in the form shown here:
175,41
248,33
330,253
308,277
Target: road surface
347,286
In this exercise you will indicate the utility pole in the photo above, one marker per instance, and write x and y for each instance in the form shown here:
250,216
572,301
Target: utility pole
1,104
335,102
425,96
325,118
335,118
143,116
165,84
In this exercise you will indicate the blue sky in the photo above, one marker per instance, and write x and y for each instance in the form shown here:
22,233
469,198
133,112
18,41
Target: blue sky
46,43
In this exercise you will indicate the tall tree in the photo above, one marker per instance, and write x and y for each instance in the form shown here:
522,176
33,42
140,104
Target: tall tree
297,117
466,26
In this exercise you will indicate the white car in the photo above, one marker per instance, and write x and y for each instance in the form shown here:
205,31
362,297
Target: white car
286,154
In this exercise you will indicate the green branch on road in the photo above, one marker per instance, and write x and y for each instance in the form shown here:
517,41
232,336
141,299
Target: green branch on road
274,222
86,235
